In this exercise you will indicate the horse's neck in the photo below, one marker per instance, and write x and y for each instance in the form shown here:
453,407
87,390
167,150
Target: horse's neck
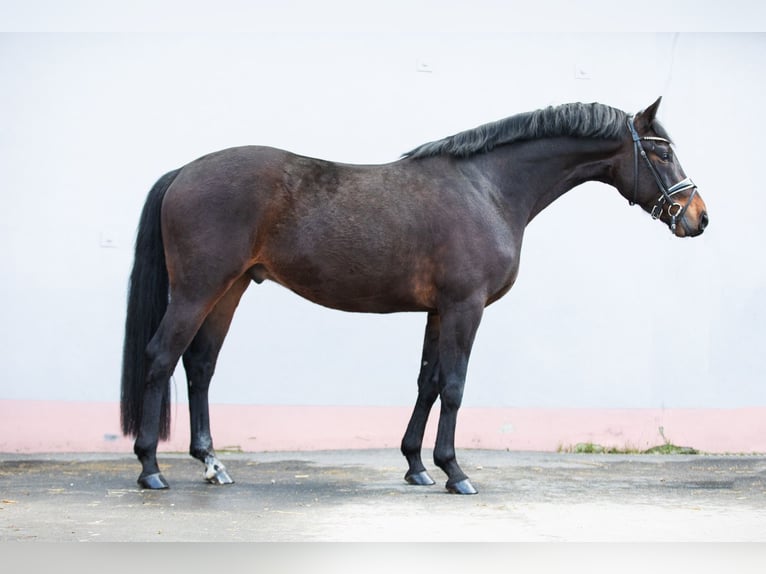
536,173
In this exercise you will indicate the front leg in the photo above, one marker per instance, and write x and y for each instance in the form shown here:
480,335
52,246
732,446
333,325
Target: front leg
458,330
428,390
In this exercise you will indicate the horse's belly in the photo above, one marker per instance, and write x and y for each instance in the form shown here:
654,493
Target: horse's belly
347,293
354,284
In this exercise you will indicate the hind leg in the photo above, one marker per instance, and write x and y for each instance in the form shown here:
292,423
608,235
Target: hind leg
199,362
178,326
190,303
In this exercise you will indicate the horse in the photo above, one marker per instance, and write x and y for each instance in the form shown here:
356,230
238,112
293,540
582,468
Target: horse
437,231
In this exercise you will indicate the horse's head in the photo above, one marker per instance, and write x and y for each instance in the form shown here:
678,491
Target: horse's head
655,180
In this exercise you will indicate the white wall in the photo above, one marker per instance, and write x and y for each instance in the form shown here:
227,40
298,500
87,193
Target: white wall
609,309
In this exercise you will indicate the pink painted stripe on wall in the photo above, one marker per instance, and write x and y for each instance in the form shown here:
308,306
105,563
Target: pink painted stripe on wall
52,426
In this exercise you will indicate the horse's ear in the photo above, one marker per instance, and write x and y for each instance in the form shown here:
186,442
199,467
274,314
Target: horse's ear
645,117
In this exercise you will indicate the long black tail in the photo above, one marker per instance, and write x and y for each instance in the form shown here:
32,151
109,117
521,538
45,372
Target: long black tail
147,302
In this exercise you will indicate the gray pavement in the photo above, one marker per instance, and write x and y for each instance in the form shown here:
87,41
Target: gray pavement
361,496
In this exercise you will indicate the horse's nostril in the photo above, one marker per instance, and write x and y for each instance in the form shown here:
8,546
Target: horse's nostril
703,220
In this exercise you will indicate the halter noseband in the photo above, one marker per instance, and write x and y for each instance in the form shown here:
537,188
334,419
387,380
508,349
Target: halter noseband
666,193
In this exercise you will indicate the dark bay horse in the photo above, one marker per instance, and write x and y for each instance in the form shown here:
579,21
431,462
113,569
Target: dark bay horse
438,231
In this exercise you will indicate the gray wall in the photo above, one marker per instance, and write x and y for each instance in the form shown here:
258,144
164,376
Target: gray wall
609,310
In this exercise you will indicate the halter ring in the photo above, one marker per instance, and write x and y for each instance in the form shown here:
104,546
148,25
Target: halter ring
678,207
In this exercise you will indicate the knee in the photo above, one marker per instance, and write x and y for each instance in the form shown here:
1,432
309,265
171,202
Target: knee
451,397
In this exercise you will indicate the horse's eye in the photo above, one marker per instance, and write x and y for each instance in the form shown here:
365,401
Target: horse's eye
665,156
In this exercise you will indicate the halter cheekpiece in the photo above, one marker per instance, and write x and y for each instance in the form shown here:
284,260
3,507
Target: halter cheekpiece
666,193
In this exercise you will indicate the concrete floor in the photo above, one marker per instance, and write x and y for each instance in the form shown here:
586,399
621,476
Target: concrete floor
360,495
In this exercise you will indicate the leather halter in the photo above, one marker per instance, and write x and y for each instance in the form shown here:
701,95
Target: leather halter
666,193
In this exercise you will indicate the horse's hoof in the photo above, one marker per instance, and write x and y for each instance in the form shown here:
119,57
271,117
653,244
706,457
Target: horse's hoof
461,487
219,477
153,481
421,478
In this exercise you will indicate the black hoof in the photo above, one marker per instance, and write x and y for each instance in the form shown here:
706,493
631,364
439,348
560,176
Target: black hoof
153,481
220,477
421,478
461,487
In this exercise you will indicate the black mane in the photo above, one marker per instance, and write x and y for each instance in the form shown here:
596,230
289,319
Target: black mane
577,120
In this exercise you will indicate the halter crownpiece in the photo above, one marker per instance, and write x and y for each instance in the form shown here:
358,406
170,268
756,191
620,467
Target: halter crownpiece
666,193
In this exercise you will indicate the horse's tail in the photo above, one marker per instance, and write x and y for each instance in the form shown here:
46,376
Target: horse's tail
147,302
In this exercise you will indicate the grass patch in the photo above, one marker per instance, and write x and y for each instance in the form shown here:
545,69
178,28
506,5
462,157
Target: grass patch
668,448
592,448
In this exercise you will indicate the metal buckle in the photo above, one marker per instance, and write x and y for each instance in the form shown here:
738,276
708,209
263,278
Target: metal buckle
657,211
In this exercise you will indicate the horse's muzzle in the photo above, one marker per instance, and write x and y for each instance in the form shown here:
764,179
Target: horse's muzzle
689,228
